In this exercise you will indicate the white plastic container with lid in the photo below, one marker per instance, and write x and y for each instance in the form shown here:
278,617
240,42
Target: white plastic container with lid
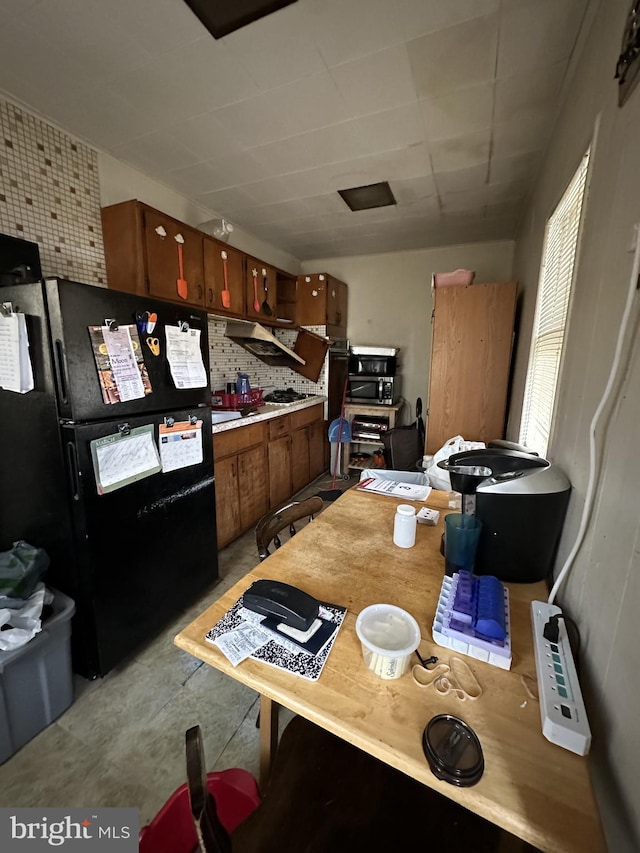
389,636
404,526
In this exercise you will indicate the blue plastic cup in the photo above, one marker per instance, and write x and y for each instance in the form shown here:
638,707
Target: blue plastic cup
461,536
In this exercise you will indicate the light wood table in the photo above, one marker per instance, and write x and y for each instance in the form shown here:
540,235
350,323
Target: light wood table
530,787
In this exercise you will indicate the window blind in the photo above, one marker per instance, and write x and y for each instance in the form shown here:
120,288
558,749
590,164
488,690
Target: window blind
554,290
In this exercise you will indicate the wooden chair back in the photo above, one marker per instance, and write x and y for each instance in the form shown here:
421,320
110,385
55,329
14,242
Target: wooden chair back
271,525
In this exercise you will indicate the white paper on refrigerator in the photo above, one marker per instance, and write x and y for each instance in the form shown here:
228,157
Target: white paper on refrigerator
185,357
180,445
120,460
15,365
124,365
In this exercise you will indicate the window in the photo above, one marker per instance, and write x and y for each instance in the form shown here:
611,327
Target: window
554,289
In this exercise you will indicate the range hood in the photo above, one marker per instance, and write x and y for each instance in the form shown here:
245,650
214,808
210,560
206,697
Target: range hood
261,343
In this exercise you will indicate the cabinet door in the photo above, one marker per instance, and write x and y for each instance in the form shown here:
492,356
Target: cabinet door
312,300
280,488
227,500
318,445
260,287
163,268
337,294
253,480
217,256
470,361
300,469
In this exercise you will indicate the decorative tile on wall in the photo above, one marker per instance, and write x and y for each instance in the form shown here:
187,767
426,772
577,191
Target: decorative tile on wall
228,358
50,194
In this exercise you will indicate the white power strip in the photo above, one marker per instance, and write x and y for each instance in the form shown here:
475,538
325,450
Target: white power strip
562,711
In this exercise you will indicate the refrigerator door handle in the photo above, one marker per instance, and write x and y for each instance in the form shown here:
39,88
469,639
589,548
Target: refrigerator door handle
61,371
74,476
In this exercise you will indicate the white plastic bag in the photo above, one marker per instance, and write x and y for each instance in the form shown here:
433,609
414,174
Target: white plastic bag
25,622
439,478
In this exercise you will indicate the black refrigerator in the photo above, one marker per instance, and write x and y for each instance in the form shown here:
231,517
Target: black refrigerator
133,557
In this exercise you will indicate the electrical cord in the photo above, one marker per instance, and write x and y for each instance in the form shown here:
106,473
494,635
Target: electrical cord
588,503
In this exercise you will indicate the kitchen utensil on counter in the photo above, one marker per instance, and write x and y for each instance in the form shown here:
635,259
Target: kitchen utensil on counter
181,284
256,301
225,295
266,308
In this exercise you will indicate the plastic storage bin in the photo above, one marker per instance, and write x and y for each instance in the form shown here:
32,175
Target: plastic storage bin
36,685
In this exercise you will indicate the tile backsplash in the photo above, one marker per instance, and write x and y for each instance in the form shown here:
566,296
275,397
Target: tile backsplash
228,357
50,194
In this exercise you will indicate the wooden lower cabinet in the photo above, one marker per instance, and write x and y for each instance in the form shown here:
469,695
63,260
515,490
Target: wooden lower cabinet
280,488
260,466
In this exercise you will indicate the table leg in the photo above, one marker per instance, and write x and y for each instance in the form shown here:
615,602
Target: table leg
268,738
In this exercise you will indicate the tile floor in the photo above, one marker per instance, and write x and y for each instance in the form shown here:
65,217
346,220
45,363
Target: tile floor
121,743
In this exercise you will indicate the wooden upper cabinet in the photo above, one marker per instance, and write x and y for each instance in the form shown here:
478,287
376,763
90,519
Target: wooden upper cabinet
163,236
260,288
322,300
141,253
217,257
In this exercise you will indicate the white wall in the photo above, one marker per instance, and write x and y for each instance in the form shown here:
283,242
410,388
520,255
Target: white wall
603,590
390,300
121,182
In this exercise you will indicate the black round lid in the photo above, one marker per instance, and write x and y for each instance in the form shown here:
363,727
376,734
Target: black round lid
453,750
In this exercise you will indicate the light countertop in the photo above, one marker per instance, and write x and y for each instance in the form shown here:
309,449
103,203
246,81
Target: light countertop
267,412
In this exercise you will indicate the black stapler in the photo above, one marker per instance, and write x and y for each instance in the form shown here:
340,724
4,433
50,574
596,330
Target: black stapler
287,603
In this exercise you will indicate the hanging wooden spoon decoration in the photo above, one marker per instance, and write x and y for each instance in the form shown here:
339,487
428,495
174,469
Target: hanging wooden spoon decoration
256,301
266,308
225,295
181,284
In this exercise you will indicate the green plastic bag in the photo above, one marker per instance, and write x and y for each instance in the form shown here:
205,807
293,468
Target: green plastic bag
20,570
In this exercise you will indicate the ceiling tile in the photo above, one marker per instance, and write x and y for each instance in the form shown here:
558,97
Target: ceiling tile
390,130
157,151
420,17
455,58
343,31
521,135
156,25
459,113
412,189
462,179
307,150
206,137
276,49
534,33
218,174
394,83
521,94
461,152
306,104
514,168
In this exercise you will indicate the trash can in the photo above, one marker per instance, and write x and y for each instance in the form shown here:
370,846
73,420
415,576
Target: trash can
36,684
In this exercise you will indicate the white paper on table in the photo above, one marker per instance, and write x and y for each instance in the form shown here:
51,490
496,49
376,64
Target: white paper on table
185,357
180,445
126,373
242,642
15,365
120,460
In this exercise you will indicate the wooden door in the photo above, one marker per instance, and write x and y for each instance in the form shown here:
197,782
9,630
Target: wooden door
122,233
336,307
300,476
318,444
162,264
470,362
227,500
253,485
260,285
312,300
280,488
216,257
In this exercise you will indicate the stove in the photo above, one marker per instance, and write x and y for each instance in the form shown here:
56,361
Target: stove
284,397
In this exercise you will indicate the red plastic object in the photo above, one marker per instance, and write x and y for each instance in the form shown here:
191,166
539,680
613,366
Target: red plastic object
172,831
222,400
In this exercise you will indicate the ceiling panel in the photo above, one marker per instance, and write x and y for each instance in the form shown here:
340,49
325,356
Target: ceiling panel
451,102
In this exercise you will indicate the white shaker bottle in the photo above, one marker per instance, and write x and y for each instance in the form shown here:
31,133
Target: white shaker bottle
404,526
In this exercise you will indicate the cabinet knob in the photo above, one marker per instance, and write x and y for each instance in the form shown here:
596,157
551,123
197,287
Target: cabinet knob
210,295
199,291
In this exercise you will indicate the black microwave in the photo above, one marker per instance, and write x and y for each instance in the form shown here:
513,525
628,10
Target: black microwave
374,390
372,365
